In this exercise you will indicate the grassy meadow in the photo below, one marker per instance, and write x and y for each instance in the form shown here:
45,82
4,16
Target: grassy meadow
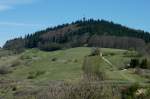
34,70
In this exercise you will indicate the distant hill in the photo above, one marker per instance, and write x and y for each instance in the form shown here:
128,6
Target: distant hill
84,32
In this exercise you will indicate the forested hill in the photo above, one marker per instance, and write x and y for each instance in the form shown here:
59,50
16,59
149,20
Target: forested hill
84,32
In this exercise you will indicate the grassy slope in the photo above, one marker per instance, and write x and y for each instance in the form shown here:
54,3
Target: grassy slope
119,60
114,72
61,65
67,65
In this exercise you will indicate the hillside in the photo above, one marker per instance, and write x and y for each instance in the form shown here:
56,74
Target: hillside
34,70
84,32
86,59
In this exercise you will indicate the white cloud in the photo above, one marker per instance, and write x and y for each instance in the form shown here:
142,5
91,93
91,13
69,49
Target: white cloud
19,24
9,4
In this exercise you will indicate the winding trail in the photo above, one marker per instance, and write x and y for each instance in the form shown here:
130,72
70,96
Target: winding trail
107,61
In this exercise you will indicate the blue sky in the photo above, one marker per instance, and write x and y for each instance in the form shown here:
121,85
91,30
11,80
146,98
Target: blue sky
19,17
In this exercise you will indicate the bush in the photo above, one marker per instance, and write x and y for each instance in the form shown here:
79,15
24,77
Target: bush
15,63
144,64
75,60
54,59
4,70
14,88
81,90
130,92
134,63
141,64
33,75
49,46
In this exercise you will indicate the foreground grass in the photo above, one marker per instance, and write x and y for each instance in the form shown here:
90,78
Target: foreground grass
34,70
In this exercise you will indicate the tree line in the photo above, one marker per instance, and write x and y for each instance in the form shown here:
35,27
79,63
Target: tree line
83,32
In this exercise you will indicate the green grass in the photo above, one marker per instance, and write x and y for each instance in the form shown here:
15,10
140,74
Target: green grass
65,64
35,68
118,59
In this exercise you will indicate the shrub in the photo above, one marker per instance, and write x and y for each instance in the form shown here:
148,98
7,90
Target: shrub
33,75
15,63
54,59
81,90
40,72
147,94
75,60
144,64
4,70
129,93
134,63
140,64
14,88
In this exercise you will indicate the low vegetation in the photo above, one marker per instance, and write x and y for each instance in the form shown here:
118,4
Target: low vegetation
81,90
136,63
4,70
33,75
74,74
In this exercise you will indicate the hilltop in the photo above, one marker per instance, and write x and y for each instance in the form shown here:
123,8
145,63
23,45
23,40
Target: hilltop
86,32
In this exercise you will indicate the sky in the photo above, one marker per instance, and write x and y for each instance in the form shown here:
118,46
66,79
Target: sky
20,17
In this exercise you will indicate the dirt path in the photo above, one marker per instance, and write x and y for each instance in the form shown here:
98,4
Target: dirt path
107,61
